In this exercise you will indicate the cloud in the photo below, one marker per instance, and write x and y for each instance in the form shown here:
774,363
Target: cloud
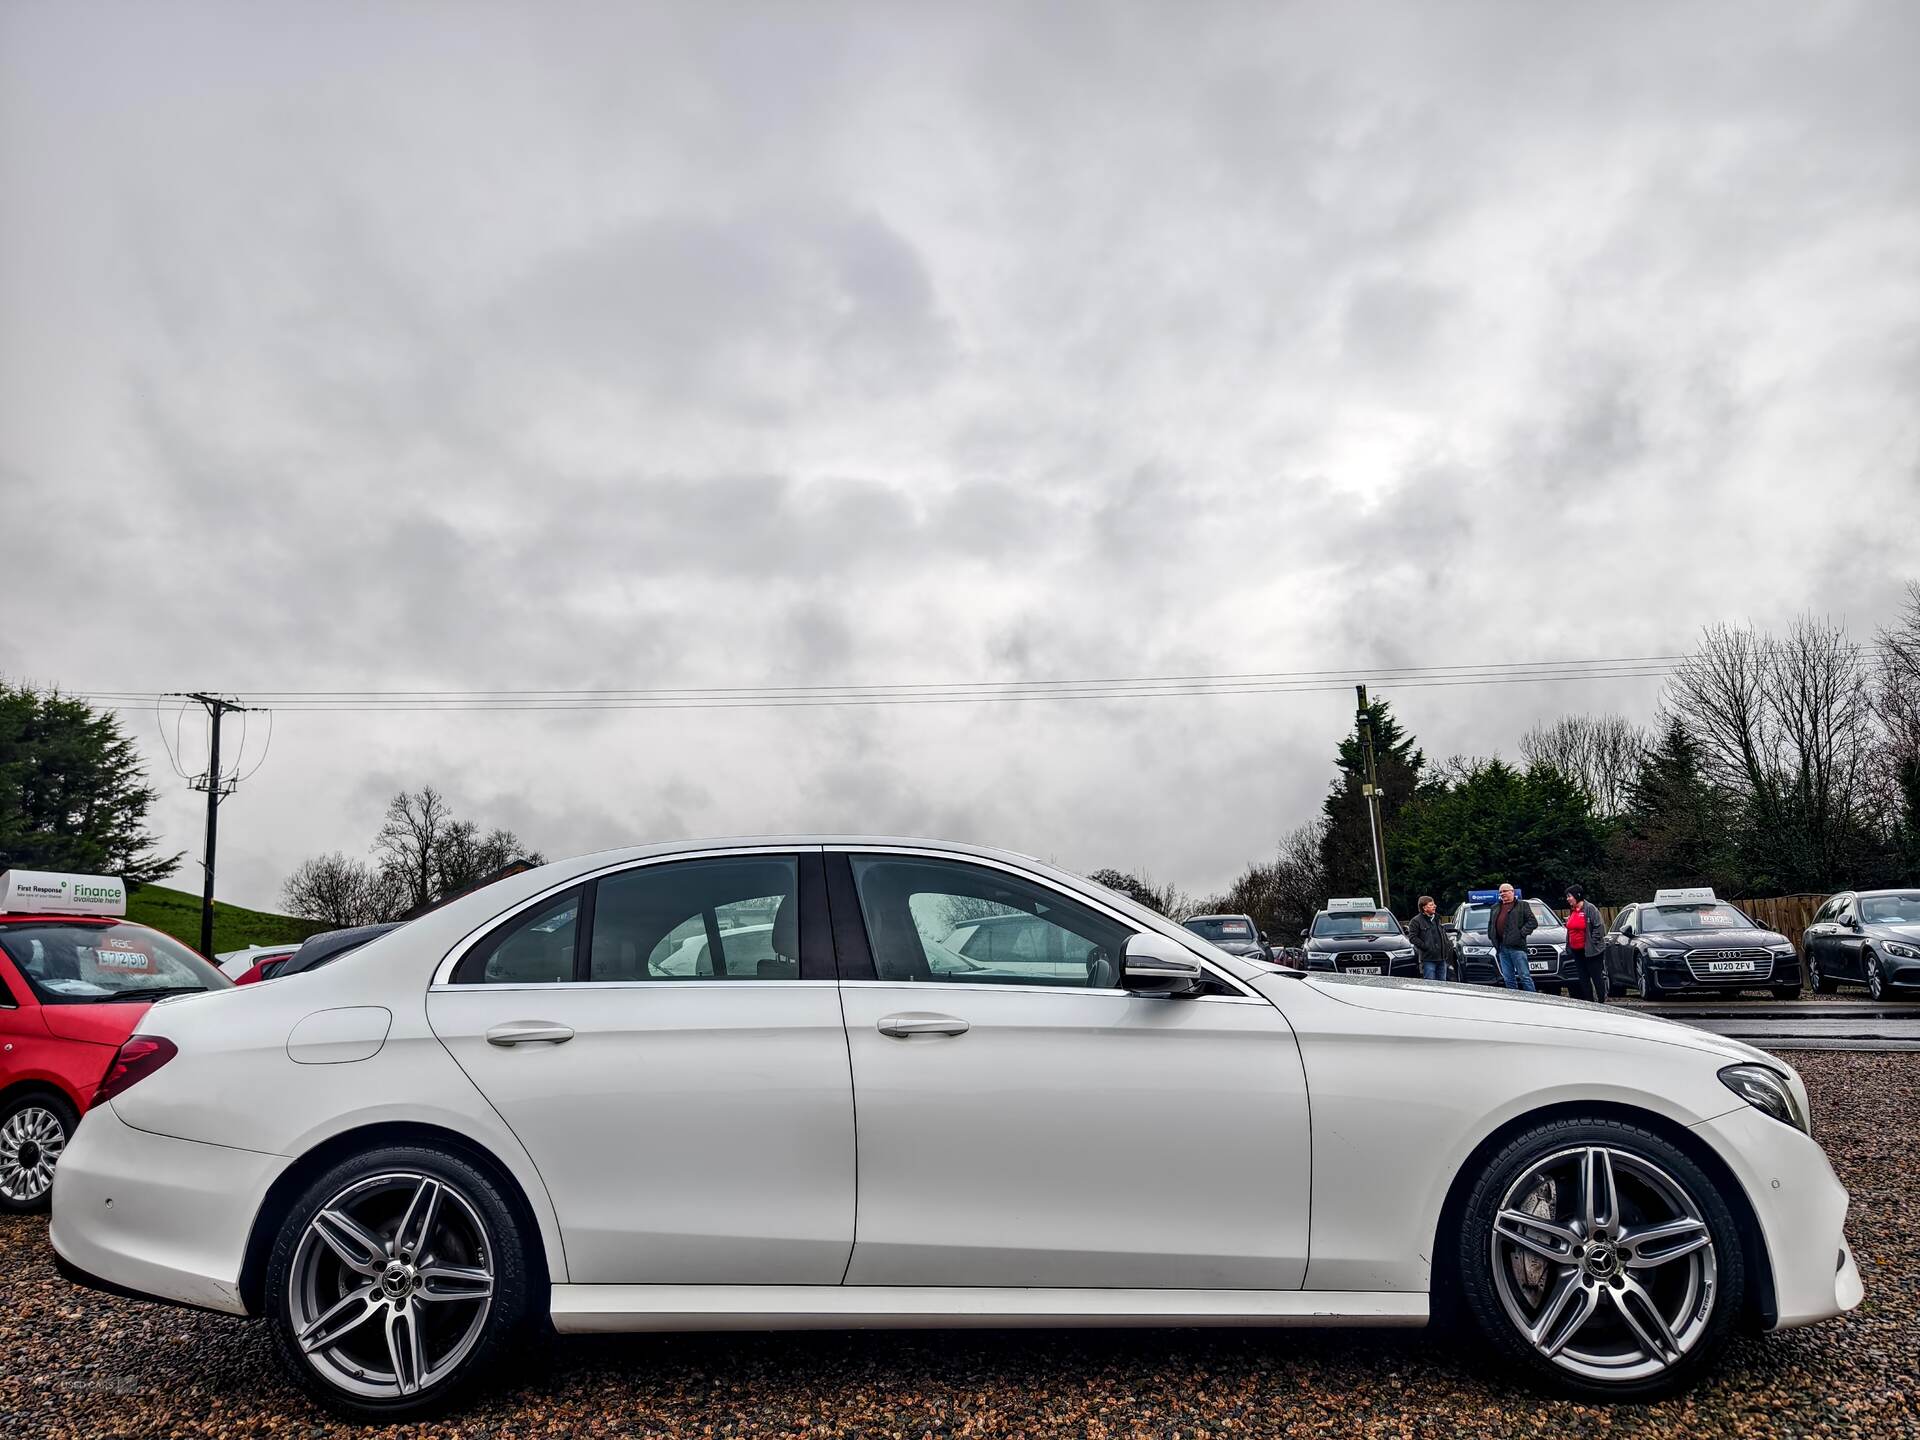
676,346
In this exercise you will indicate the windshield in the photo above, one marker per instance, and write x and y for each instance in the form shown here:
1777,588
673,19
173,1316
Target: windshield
1901,909
1354,924
1222,929
1476,916
1692,917
74,964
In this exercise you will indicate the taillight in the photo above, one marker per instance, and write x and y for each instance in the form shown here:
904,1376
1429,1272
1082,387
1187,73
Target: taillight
138,1058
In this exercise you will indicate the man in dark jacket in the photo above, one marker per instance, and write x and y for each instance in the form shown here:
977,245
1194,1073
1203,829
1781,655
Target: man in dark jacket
1429,940
1587,944
1508,926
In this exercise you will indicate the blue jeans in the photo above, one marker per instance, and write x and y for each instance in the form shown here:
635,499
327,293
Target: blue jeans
1433,969
1514,973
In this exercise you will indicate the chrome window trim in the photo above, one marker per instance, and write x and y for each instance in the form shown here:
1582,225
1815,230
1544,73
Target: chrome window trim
443,972
548,987
1090,902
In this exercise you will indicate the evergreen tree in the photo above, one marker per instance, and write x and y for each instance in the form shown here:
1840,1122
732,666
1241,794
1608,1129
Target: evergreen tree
1535,828
73,795
1346,845
1678,827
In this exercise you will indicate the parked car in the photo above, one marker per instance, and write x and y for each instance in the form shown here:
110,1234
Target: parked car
75,978
1866,937
493,1118
1547,960
1235,934
1356,937
1689,939
237,963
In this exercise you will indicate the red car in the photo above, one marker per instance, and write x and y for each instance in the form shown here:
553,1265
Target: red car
72,989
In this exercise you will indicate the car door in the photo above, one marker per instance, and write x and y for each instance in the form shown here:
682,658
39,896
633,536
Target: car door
1814,940
1845,942
1620,950
1024,1121
689,1105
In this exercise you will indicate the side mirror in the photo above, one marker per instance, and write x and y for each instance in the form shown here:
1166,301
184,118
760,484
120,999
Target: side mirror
1852,922
1447,927
1626,932
1303,934
1155,965
1263,938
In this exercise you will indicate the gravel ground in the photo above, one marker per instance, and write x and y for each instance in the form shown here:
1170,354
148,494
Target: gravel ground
74,1363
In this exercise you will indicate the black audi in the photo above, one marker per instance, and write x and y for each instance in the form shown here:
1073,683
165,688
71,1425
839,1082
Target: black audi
1691,940
1357,938
1866,937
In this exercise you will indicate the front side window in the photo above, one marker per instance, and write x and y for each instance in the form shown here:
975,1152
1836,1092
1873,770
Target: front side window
722,919
76,964
934,920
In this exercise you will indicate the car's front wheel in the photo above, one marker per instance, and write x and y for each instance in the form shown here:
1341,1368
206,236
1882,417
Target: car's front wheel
34,1129
1644,981
1600,1256
395,1282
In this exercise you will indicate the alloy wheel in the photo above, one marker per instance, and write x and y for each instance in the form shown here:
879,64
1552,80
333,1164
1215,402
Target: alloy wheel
391,1285
30,1145
1643,979
1876,980
1813,971
1604,1263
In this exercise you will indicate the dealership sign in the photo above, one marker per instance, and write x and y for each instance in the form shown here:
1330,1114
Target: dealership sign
39,892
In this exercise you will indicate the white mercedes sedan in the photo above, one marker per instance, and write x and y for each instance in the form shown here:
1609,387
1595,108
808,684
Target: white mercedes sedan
817,1082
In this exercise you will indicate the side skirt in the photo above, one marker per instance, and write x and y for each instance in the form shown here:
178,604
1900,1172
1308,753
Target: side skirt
587,1309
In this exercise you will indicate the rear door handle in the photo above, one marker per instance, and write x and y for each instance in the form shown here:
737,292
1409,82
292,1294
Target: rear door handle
529,1032
920,1022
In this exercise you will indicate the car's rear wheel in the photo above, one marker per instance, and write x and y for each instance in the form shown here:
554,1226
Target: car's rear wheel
1602,1258
395,1282
34,1130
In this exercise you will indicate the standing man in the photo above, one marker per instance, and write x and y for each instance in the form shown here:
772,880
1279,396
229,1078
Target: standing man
1429,940
1587,944
1508,927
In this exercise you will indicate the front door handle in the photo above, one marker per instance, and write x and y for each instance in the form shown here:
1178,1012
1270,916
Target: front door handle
529,1032
920,1022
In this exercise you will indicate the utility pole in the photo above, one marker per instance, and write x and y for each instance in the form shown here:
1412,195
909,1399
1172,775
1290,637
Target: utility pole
1371,789
217,788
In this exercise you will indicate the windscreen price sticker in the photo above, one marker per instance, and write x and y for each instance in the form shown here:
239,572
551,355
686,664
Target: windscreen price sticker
123,957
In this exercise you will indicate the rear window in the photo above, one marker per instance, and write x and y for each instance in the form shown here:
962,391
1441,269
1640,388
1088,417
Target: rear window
71,964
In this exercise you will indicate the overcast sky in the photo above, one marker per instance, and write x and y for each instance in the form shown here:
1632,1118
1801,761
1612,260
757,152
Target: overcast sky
559,345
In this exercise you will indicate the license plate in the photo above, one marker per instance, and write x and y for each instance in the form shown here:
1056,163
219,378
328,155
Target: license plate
1730,967
1363,970
1539,967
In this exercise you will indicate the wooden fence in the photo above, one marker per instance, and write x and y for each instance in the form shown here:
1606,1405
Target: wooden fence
1789,914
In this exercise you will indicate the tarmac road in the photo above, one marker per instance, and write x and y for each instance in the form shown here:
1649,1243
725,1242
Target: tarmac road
1804,1024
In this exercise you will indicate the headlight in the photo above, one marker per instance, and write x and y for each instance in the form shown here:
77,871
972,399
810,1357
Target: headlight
1781,949
1665,952
1476,949
1402,954
1905,952
1768,1090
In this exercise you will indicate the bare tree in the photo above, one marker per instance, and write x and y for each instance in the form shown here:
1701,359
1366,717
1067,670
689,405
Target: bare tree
1599,753
462,856
341,892
416,826
1823,713
1788,727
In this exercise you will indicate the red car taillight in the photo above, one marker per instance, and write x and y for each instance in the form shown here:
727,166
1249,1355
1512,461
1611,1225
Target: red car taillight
138,1058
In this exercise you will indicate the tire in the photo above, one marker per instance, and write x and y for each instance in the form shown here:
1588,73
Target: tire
365,1368
35,1129
1876,977
1822,984
1612,1323
1644,981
